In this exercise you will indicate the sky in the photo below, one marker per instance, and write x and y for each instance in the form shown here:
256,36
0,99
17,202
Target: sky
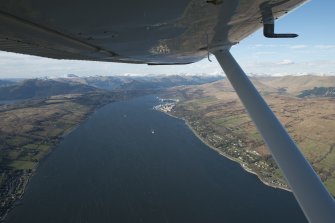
313,52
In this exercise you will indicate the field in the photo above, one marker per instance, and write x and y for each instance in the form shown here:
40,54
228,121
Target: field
216,114
30,129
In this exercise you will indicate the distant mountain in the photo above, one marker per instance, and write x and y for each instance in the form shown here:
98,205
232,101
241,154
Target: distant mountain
107,83
296,84
71,75
166,82
37,88
141,82
225,86
5,83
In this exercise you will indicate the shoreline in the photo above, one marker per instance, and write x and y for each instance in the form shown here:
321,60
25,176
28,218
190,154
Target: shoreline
225,155
66,133
26,184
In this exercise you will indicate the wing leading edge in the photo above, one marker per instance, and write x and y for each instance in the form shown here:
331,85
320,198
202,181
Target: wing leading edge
152,32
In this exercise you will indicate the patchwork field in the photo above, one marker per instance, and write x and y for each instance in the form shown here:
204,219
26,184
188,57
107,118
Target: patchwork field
215,113
30,129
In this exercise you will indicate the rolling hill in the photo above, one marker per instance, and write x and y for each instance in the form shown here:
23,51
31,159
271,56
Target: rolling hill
216,114
37,88
296,84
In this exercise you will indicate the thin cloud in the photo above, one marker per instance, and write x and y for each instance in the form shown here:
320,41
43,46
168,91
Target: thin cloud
268,45
325,47
285,62
265,53
301,46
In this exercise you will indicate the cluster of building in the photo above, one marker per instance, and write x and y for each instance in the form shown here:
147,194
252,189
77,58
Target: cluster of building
167,105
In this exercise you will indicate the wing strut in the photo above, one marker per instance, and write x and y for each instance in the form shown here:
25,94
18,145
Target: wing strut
314,199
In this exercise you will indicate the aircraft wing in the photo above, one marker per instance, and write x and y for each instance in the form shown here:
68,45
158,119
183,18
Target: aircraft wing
168,32
150,31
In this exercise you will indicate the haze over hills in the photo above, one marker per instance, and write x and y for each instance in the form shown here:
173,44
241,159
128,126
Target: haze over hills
5,83
296,84
141,82
37,88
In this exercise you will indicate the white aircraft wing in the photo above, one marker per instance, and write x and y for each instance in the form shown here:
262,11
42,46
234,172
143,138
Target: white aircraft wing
168,32
133,31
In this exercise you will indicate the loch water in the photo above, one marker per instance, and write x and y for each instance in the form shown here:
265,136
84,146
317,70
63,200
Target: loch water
130,163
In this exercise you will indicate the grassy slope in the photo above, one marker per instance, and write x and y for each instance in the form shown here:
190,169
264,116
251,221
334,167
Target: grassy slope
295,84
311,121
30,129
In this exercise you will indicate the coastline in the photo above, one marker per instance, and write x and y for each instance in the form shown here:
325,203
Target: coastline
225,155
61,137
26,183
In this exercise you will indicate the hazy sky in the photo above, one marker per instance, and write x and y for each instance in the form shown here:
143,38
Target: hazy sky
312,52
